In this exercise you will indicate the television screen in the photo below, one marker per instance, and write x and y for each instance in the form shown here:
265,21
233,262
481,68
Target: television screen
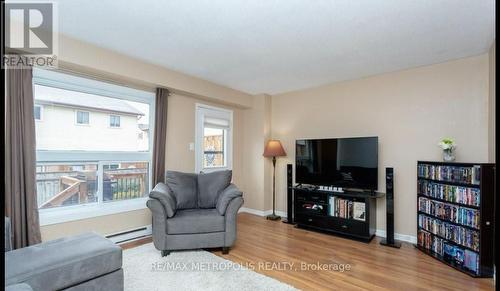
339,162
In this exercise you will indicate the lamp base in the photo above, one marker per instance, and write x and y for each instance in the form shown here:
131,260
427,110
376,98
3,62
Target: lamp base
273,217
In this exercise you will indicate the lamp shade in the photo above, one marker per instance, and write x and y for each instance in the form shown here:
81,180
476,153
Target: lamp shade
274,149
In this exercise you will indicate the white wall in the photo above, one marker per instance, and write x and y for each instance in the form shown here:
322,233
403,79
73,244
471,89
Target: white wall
58,131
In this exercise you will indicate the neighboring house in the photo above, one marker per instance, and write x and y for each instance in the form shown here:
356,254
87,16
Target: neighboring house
76,121
81,121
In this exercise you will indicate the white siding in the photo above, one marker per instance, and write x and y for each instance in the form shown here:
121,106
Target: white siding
58,131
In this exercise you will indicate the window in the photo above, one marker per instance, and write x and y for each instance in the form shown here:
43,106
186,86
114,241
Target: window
93,170
38,112
64,184
82,117
114,121
213,138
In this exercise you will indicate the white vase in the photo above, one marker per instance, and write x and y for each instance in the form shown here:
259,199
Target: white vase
448,155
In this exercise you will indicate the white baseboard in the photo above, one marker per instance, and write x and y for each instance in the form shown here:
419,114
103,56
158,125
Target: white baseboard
130,235
401,237
262,212
378,232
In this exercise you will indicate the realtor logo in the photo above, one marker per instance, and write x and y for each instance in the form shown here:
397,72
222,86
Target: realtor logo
30,34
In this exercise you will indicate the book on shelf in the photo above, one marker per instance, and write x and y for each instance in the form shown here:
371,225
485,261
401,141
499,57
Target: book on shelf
346,208
457,234
459,174
359,211
451,193
428,241
454,213
456,255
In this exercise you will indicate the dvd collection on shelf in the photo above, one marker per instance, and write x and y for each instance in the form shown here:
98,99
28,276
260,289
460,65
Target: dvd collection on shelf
460,235
454,213
345,208
458,256
454,203
466,175
457,194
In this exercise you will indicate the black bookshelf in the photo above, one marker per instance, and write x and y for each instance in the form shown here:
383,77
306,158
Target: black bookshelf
320,218
455,214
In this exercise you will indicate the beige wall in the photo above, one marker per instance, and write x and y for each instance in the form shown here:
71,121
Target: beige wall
104,225
492,103
410,111
257,130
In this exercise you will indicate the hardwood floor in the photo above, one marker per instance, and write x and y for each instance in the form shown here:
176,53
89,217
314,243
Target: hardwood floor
262,244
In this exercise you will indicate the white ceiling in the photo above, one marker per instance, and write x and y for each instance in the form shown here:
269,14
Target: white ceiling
274,46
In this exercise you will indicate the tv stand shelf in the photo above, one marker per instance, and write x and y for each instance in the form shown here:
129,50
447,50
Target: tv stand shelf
323,217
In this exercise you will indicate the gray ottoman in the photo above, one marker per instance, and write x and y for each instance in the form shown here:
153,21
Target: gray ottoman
19,287
83,262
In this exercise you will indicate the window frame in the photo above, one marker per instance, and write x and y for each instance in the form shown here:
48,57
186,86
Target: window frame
63,80
202,111
223,152
119,121
41,112
76,117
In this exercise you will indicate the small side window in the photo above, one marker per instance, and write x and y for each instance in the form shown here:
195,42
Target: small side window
38,112
82,117
114,121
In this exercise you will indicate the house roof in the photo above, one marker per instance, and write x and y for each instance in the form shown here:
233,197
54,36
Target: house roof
56,96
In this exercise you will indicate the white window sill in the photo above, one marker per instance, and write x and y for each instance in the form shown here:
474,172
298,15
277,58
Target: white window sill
78,212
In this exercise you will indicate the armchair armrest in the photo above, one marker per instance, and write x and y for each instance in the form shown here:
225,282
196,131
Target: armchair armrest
230,217
226,196
162,193
8,235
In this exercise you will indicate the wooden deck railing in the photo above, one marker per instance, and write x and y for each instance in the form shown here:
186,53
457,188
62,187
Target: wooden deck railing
73,188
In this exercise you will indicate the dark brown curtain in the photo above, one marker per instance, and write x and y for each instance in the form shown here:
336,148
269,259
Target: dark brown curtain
20,159
160,135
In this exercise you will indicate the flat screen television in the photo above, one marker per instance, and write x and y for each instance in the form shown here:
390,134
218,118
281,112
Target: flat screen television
338,162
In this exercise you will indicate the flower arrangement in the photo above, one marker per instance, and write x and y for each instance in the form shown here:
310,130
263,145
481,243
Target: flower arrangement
448,145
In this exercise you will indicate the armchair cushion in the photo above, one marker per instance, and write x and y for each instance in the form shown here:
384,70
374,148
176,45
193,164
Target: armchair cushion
191,221
210,185
226,196
184,186
163,193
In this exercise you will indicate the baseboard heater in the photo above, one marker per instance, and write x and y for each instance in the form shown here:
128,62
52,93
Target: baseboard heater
130,235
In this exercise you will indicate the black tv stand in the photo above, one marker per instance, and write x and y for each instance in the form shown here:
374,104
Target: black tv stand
314,210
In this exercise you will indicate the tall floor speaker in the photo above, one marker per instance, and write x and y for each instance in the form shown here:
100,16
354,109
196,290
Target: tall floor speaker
289,194
389,205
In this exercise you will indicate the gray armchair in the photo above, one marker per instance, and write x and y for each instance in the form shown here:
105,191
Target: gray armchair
193,211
